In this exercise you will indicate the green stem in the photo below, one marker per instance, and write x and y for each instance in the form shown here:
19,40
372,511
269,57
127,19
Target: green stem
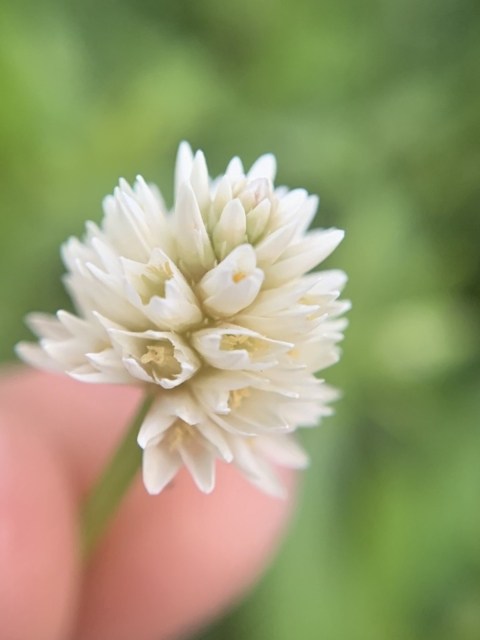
105,497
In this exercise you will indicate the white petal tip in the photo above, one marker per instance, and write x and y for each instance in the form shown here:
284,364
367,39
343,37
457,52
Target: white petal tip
264,167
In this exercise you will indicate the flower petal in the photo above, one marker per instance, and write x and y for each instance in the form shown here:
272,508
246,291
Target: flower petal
233,284
159,357
183,165
283,450
256,470
201,464
230,230
161,291
35,356
200,180
235,348
264,167
160,466
303,256
193,244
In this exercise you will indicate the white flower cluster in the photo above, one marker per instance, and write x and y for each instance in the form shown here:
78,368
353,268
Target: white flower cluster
210,307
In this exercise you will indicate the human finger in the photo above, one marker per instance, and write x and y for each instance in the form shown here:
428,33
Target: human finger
38,559
168,562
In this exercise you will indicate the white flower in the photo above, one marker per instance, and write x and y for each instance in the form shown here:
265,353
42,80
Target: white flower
210,308
232,285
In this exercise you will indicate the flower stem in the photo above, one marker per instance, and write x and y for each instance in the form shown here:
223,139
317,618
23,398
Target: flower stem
103,500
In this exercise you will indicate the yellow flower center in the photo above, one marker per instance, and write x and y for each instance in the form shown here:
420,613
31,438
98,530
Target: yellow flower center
239,276
236,397
251,344
154,279
160,357
180,433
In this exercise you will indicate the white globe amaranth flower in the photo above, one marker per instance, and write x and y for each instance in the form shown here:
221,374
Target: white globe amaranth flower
208,306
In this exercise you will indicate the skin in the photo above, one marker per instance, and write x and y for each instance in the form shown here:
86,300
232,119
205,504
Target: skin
167,565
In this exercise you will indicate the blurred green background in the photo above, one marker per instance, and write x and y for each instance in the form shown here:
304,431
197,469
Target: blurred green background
374,105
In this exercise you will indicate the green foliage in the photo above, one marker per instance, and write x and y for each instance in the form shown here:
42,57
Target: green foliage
375,106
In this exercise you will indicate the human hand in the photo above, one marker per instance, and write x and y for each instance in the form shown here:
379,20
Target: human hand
168,563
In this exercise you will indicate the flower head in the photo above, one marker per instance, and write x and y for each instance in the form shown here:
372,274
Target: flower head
210,307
